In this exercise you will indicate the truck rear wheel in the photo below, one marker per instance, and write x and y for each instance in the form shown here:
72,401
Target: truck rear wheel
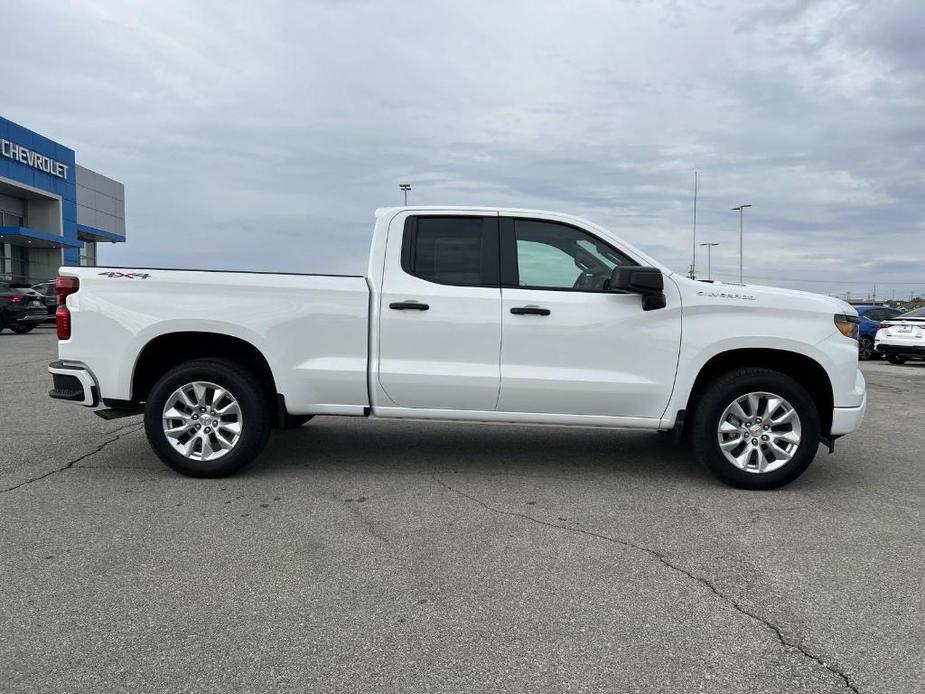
207,418
755,428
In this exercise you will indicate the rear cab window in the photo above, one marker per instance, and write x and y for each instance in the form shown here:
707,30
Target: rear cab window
460,251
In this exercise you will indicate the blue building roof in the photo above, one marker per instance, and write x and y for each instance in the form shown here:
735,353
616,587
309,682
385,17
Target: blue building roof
25,235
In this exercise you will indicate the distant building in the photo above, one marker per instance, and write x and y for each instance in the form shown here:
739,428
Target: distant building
53,211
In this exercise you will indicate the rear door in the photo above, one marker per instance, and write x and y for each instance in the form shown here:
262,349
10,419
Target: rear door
569,346
440,312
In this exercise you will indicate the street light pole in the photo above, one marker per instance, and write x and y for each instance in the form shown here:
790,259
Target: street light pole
741,210
709,259
404,188
694,234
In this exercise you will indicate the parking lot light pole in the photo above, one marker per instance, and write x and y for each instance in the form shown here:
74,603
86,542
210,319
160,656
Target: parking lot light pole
404,188
740,209
709,261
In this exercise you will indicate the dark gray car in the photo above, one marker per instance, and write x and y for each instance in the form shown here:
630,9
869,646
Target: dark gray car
21,308
49,296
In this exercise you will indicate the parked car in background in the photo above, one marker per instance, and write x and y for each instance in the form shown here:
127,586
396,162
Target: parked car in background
903,337
871,316
21,308
47,290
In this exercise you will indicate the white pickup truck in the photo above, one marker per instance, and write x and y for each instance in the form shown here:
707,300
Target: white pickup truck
490,315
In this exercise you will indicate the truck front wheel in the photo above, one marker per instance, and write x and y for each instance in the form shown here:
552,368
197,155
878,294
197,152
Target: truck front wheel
207,418
755,428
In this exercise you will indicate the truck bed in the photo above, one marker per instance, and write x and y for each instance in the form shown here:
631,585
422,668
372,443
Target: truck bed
312,329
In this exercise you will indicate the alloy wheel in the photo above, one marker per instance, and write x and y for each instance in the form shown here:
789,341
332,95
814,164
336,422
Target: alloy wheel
759,432
202,421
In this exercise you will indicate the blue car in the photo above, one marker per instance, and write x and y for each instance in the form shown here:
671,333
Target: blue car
871,315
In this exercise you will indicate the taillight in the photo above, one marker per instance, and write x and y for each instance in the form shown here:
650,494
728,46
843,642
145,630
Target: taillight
16,299
63,323
64,287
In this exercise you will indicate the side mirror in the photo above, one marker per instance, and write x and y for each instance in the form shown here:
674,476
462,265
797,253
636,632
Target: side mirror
647,281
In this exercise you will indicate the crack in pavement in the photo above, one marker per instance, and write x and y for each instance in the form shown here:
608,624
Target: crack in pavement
366,522
732,602
120,433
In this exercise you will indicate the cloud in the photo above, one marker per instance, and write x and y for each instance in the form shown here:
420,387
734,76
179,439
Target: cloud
263,135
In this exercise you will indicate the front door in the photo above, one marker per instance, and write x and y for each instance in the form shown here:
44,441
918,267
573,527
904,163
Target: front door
569,346
440,313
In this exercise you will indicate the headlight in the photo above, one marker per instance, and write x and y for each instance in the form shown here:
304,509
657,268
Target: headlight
847,325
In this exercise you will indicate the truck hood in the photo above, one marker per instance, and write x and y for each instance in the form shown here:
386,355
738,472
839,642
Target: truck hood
761,296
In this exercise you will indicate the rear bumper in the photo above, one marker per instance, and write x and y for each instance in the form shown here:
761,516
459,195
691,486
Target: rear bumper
75,383
29,317
902,350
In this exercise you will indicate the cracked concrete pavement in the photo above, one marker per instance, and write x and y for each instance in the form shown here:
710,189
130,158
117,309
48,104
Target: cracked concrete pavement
411,556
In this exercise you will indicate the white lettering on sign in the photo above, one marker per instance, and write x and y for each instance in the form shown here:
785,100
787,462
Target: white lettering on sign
26,156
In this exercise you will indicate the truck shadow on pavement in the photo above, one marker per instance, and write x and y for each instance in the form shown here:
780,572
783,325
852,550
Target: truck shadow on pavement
364,447
327,444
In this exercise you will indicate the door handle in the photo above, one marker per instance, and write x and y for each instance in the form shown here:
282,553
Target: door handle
530,310
409,306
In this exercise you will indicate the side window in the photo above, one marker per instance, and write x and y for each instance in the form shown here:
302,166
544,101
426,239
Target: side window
460,251
557,256
542,265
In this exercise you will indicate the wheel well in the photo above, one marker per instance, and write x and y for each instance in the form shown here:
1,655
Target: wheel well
167,351
805,370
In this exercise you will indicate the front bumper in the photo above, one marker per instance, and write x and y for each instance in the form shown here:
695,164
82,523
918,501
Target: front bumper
847,419
75,383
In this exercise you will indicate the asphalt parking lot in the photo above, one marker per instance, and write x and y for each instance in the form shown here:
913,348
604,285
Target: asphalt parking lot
431,557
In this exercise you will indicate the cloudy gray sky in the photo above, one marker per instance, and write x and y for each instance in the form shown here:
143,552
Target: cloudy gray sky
261,135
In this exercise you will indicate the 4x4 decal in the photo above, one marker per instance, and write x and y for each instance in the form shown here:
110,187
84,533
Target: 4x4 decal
125,275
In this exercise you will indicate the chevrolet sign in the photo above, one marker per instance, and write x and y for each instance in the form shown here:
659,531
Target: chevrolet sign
38,161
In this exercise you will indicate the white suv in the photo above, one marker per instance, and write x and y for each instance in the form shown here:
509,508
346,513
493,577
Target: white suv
902,337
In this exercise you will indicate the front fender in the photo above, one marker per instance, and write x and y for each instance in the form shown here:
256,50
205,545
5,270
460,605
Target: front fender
836,354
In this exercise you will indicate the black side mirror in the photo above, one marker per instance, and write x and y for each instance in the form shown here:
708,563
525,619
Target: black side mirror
647,281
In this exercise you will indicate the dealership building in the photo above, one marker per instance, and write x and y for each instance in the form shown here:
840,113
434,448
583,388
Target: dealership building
53,211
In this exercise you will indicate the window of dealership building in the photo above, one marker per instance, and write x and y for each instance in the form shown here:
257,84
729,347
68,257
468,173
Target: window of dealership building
53,211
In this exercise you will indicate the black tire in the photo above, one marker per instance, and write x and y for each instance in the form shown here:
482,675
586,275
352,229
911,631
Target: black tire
896,359
721,393
2,323
866,349
22,329
294,421
240,384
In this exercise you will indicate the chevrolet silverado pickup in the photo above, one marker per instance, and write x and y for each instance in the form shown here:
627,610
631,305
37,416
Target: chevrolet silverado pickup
488,315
